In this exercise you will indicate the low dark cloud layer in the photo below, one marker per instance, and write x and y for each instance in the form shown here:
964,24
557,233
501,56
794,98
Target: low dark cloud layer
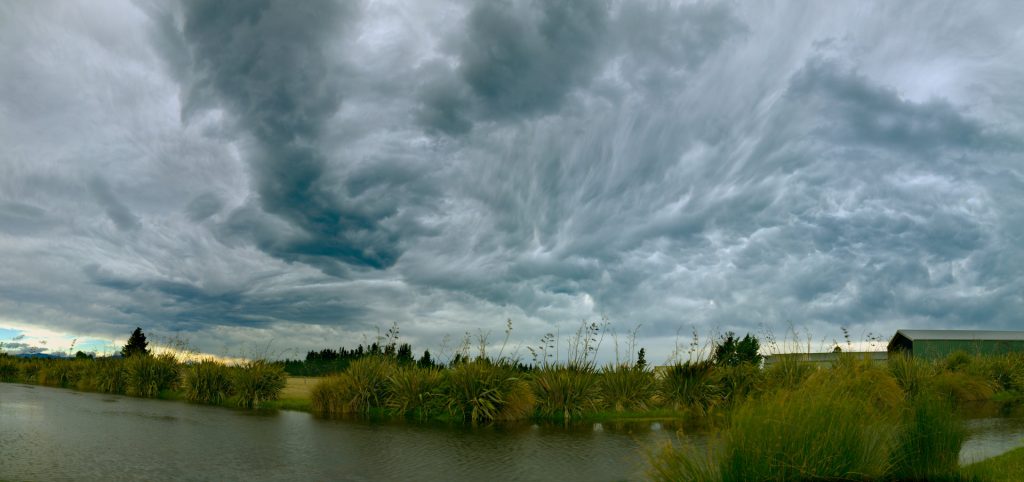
309,173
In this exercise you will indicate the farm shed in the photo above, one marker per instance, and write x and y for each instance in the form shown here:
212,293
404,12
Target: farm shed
939,343
825,359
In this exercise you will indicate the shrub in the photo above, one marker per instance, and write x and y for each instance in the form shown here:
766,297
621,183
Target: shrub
257,381
689,385
147,375
207,382
566,392
626,387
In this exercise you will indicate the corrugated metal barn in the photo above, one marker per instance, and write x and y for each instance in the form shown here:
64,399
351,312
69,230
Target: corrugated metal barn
939,343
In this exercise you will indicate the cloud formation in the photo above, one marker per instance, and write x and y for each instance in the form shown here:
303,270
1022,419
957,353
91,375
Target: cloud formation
235,173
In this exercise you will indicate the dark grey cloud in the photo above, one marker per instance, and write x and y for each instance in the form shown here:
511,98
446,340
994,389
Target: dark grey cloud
308,173
120,214
203,206
518,59
266,63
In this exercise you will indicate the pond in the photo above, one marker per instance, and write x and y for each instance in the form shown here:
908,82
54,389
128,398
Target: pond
48,434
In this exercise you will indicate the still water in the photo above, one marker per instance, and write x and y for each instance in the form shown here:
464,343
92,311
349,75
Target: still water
55,434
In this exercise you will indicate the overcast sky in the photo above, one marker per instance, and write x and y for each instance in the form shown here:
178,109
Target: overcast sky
303,174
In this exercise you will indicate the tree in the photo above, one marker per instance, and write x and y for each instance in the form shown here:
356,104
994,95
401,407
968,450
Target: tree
136,344
426,361
641,359
732,351
82,354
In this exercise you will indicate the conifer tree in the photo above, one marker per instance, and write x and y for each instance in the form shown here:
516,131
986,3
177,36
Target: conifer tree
136,344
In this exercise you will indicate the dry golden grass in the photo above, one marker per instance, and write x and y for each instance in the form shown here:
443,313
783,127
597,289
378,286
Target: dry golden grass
300,387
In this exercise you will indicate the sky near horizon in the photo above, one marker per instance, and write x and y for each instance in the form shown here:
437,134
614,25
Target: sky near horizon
287,176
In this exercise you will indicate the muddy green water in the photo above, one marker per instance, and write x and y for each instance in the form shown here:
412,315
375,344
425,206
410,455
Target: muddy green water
54,434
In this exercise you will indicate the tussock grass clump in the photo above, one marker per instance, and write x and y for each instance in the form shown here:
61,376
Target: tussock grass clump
368,380
361,387
625,387
1006,372
59,373
415,391
207,382
689,385
738,382
566,392
147,375
929,440
788,373
481,391
257,381
834,426
28,371
961,387
911,373
8,369
331,396
110,376
807,435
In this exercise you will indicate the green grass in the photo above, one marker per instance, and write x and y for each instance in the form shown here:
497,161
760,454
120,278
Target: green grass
1007,467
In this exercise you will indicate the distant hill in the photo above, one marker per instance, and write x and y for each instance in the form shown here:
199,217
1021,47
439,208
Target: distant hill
37,355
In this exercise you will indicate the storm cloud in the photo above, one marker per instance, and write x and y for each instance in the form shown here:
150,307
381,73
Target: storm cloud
310,173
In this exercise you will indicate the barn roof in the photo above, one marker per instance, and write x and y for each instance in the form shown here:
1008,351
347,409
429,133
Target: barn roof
961,335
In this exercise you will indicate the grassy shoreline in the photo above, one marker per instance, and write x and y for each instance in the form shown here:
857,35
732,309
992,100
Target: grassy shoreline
857,420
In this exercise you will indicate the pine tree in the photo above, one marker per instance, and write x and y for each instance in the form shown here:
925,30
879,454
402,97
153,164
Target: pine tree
426,361
641,359
136,344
